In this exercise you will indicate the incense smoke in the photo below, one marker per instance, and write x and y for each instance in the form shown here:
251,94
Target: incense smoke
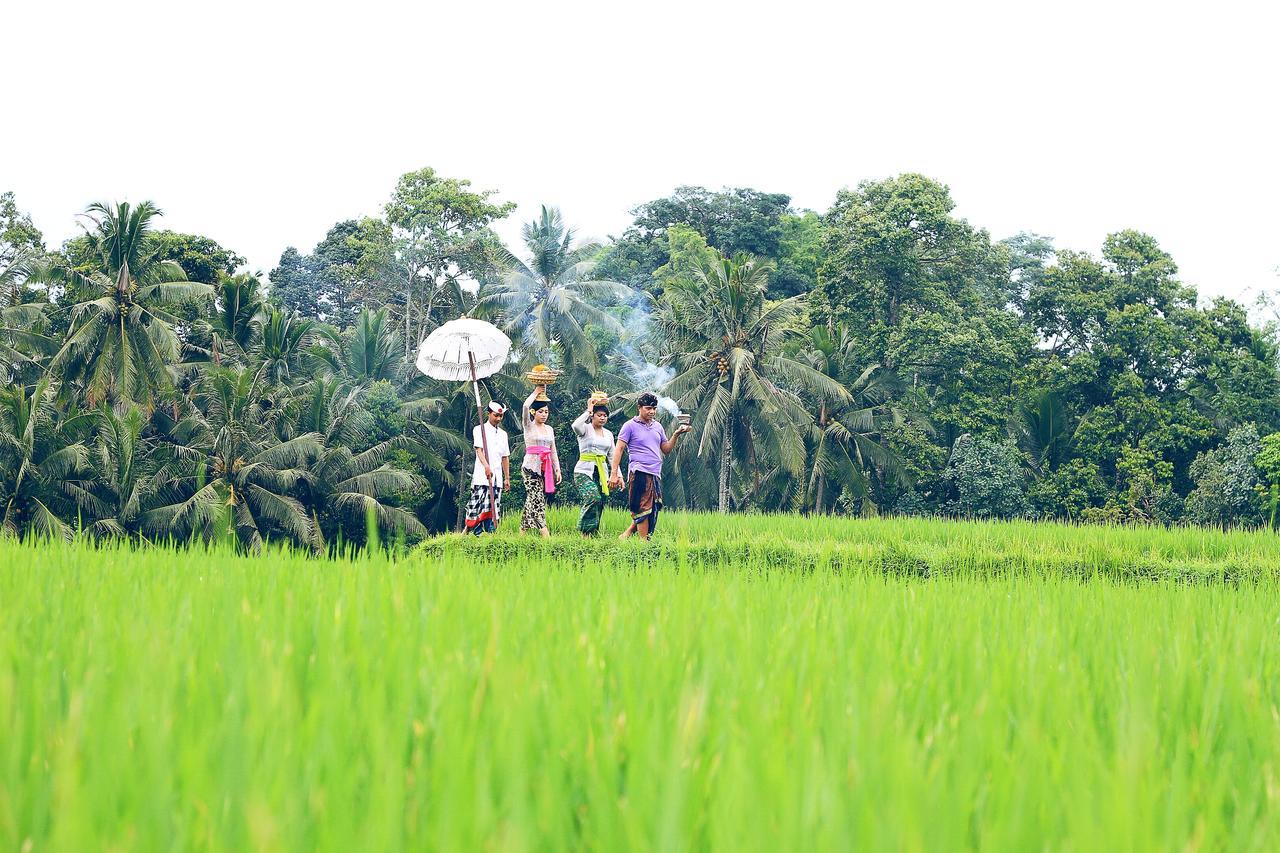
648,375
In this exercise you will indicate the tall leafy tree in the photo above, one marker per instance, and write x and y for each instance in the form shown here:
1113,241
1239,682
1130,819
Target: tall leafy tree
126,477
238,311
440,238
42,462
18,234
238,472
349,477
846,438
727,346
800,254
930,296
730,221
1119,345
281,344
21,250
367,352
201,258
1029,256
122,339
293,285
340,276
551,298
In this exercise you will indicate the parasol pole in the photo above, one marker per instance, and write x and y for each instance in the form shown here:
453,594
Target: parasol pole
484,436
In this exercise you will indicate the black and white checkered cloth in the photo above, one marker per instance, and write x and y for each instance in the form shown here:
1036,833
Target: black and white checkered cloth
478,505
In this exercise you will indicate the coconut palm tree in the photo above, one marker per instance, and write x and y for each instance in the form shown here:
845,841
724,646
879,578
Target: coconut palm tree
126,481
342,485
23,314
282,339
1040,428
122,341
236,465
22,348
238,312
367,352
727,346
15,270
43,463
551,298
846,438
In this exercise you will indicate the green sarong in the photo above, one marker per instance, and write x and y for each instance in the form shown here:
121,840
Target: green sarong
592,500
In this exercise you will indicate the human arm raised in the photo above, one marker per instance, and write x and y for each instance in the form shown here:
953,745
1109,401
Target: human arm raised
526,413
670,444
580,424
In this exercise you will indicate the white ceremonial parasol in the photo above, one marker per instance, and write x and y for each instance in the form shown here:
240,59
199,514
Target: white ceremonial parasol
447,352
466,349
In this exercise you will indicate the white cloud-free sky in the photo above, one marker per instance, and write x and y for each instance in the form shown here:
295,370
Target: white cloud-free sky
262,123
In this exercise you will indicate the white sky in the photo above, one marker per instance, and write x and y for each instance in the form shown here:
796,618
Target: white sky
260,124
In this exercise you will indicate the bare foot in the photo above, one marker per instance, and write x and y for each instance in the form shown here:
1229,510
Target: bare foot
546,534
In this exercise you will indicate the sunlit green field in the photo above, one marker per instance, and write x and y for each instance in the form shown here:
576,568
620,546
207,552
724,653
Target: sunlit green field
750,683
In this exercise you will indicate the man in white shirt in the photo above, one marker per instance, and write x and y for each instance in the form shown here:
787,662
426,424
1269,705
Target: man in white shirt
490,477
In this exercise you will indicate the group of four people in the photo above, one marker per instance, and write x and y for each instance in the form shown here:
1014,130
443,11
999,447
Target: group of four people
643,438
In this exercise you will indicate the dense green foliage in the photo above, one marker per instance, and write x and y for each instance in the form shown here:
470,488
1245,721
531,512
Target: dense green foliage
885,356
762,683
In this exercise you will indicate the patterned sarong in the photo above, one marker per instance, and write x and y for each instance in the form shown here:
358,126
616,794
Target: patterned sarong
644,498
478,510
592,500
534,516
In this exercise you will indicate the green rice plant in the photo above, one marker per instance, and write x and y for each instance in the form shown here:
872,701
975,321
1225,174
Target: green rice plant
747,683
899,546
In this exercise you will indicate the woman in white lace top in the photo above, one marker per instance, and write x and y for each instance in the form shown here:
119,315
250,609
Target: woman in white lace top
594,444
541,466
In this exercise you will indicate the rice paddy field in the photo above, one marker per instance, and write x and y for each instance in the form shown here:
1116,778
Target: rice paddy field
749,682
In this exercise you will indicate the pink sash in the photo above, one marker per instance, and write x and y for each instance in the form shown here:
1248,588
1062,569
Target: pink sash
548,467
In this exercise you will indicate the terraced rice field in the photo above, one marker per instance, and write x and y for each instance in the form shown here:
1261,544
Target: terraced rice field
742,683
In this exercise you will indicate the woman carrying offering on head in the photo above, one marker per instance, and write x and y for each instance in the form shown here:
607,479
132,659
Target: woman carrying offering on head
541,466
594,444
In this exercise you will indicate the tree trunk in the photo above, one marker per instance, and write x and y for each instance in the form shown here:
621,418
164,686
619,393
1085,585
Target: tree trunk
725,449
822,481
894,317
431,300
408,312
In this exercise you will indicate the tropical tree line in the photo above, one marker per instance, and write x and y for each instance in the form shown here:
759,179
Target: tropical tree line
884,356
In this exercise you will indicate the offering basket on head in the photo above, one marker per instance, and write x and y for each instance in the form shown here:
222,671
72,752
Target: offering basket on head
542,375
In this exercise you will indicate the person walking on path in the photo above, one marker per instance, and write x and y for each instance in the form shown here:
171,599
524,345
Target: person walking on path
646,443
489,475
541,466
594,444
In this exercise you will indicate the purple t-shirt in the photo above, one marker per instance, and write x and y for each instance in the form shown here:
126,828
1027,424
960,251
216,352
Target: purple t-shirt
644,448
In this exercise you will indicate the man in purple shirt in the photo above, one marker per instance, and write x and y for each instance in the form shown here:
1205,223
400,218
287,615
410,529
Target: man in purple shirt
646,443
